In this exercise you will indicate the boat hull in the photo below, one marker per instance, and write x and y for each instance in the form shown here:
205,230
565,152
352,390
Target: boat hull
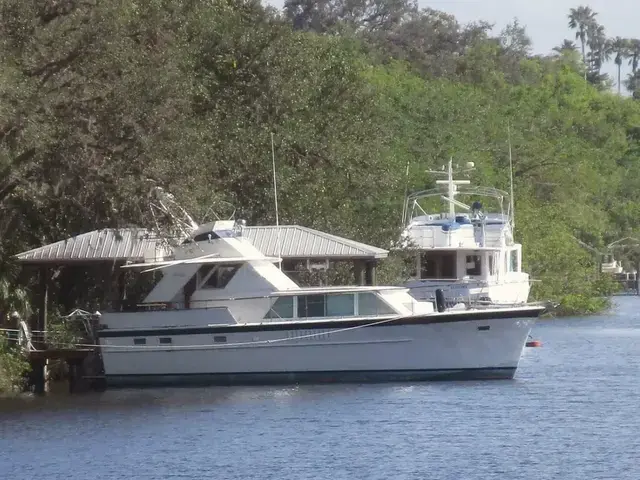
449,347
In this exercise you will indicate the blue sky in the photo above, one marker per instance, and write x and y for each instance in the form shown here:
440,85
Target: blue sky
545,20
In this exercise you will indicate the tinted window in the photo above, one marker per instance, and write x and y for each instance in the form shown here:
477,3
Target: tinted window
311,306
514,261
221,276
371,304
281,308
340,305
474,265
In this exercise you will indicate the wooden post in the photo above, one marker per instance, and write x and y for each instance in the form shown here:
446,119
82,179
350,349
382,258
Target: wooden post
39,376
370,273
121,291
358,271
75,373
41,324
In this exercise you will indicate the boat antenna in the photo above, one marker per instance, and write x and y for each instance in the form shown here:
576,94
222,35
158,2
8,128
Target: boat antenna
275,196
405,205
513,211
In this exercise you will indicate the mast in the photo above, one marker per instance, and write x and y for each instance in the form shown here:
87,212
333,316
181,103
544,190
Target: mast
452,187
512,204
275,197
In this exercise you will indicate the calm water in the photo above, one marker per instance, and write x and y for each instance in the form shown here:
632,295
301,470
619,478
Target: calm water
572,413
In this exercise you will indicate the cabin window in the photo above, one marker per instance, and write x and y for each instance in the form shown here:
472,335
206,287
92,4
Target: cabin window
219,339
474,265
139,341
311,306
221,276
492,264
165,340
370,304
203,272
281,308
513,267
340,305
438,265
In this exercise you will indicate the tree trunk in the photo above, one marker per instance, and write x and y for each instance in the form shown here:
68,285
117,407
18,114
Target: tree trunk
584,55
620,65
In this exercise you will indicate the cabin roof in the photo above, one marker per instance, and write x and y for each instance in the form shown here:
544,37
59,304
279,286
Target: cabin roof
136,244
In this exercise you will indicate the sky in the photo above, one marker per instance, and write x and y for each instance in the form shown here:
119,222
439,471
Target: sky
545,20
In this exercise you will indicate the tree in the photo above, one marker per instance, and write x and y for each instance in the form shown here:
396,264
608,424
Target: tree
620,48
565,46
581,19
634,54
515,41
368,16
599,53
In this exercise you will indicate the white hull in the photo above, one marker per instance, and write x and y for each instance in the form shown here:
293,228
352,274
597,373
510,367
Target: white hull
448,349
509,293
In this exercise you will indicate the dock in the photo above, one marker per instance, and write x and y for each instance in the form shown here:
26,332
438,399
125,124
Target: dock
84,362
628,282
74,358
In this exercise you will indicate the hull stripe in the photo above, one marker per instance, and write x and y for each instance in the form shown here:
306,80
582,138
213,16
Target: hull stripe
310,377
463,316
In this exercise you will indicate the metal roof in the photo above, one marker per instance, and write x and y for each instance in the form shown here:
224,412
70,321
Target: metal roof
136,244
302,242
108,244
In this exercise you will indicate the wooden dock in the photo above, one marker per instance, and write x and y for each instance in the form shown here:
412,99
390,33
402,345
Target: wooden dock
73,357
83,361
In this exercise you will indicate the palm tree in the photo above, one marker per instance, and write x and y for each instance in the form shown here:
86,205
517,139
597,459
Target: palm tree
580,19
598,54
566,46
633,83
634,54
620,47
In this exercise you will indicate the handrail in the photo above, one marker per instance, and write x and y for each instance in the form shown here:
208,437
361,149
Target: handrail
462,190
500,195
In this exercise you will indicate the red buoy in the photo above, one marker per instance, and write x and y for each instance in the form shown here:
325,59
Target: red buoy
534,343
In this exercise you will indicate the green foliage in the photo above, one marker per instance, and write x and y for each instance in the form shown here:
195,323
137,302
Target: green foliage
581,304
13,367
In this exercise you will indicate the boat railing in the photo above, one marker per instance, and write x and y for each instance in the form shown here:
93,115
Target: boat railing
412,200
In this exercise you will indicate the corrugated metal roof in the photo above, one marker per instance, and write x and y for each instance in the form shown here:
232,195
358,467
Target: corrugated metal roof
302,242
100,245
137,244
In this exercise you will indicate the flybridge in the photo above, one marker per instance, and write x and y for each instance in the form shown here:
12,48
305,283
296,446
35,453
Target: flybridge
413,210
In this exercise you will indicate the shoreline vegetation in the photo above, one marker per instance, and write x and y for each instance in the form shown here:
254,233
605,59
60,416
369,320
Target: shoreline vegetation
101,102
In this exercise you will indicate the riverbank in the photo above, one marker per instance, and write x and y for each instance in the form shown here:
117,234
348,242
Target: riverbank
13,368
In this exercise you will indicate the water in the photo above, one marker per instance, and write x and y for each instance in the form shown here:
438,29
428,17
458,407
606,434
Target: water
570,414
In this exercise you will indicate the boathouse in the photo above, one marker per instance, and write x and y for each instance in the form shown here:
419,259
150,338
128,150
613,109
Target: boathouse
297,246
